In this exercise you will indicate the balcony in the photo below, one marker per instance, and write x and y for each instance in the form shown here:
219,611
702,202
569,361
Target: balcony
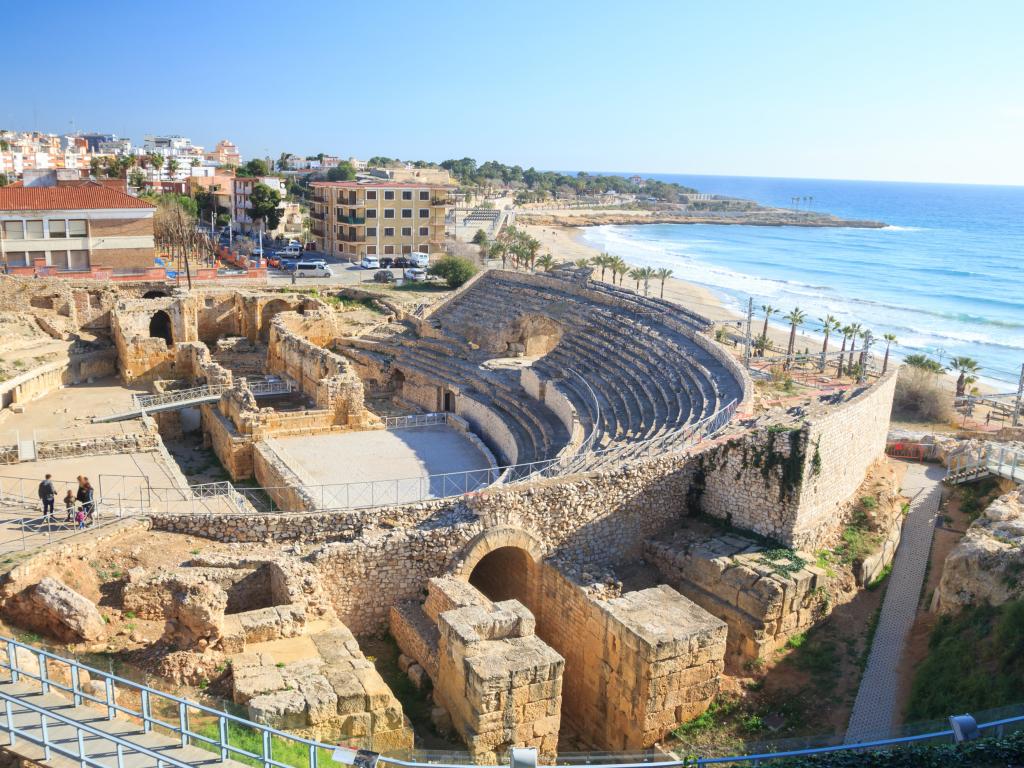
440,201
351,219
316,215
317,231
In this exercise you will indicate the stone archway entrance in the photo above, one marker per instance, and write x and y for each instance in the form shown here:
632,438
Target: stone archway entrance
507,573
270,309
155,294
160,327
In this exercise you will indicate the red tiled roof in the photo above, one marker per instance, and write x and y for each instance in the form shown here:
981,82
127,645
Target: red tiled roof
66,198
372,184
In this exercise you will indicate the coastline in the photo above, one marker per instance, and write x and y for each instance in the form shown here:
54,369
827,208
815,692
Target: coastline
764,217
565,243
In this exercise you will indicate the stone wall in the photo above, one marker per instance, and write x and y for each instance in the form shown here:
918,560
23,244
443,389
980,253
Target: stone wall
46,378
140,356
280,477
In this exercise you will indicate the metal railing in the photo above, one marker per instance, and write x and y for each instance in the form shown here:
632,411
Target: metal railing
208,391
987,459
415,420
159,711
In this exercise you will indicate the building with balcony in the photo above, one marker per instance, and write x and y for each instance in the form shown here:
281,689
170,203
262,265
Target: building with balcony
225,153
353,219
53,224
241,189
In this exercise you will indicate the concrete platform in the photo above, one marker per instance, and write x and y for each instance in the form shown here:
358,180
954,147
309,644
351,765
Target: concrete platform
380,458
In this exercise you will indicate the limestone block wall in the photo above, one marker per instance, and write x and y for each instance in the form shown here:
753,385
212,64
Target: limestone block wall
194,361
43,379
500,683
281,477
140,357
489,426
560,405
218,314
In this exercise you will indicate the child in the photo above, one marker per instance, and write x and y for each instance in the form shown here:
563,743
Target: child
69,507
80,517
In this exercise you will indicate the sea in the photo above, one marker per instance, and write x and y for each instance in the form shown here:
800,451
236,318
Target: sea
946,275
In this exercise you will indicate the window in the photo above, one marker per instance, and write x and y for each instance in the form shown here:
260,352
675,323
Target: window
76,228
59,259
34,229
371,250
389,231
424,231
16,258
407,194
406,231
424,213
371,231
424,248
407,213
78,260
58,228
424,194
371,213
371,194
406,249
389,194
14,230
389,249
389,213
34,255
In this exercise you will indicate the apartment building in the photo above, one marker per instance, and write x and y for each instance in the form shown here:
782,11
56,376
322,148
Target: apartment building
225,153
74,225
355,218
241,189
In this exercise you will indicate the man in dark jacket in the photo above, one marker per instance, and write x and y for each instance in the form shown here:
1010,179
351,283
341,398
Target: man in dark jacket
47,494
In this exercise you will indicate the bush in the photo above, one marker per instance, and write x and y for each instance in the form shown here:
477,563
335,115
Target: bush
920,396
454,270
480,238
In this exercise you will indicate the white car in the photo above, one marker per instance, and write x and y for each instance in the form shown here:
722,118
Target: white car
420,259
292,250
415,274
370,262
312,269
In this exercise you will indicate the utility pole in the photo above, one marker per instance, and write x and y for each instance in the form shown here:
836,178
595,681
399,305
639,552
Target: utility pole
750,320
1020,396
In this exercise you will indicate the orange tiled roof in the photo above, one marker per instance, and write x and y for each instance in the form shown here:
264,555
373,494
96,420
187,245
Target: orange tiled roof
66,198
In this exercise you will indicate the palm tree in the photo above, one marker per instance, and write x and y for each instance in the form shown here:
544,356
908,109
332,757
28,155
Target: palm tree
829,325
619,268
636,274
531,246
602,260
890,339
967,367
582,263
795,318
924,363
172,166
546,262
768,310
663,274
846,330
647,274
855,331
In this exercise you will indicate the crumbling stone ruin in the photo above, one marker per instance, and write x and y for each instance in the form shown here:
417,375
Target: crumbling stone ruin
601,592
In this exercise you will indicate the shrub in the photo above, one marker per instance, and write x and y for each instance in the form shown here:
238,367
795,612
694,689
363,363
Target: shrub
480,238
920,396
454,270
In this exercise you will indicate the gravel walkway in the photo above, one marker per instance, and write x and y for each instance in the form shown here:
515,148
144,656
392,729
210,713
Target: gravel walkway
874,710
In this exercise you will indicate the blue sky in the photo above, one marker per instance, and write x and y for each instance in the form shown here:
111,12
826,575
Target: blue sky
922,91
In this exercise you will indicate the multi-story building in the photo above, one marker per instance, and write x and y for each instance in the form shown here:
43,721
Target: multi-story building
57,220
355,219
241,189
225,153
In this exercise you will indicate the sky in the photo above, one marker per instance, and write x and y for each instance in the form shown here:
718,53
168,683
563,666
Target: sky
909,91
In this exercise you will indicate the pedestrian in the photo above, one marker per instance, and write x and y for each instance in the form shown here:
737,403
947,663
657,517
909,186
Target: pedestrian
47,494
80,517
84,496
69,507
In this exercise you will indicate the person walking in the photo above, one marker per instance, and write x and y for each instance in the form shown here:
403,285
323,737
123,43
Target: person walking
84,497
69,507
47,494
80,517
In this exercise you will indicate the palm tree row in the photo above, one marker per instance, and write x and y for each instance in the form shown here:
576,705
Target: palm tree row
620,269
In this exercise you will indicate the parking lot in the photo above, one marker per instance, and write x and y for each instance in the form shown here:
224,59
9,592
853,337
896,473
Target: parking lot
345,272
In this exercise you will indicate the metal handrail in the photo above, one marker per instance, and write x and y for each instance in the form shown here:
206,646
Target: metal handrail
188,736
415,420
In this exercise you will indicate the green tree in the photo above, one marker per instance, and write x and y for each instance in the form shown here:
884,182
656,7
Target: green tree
847,331
968,367
582,263
923,362
264,202
795,318
343,171
890,339
454,270
602,260
136,178
255,167
663,274
546,262
172,166
480,238
619,268
636,275
768,310
855,331
829,325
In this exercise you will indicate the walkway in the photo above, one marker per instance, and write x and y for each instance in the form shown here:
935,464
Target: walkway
874,710
117,743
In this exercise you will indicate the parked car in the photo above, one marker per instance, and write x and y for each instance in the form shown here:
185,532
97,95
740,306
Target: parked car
370,262
288,263
273,260
312,269
402,262
383,276
386,262
420,259
292,249
415,274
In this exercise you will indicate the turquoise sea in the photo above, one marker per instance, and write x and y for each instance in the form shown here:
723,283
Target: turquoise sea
946,276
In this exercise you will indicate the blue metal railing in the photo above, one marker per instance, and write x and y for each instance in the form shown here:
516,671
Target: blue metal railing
18,653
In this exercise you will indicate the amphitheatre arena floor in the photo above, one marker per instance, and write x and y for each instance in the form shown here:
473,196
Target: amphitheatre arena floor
385,458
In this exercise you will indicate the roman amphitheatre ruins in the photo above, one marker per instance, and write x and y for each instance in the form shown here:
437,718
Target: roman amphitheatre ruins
561,499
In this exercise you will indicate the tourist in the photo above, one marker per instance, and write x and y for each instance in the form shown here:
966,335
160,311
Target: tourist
47,494
69,507
84,497
80,518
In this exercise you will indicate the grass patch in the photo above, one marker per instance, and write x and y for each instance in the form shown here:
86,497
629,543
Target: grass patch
974,497
880,578
412,287
859,540
784,562
283,750
975,661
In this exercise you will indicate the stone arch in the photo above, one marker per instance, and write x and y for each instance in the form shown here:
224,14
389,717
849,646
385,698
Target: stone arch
156,293
270,309
534,335
496,538
160,327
